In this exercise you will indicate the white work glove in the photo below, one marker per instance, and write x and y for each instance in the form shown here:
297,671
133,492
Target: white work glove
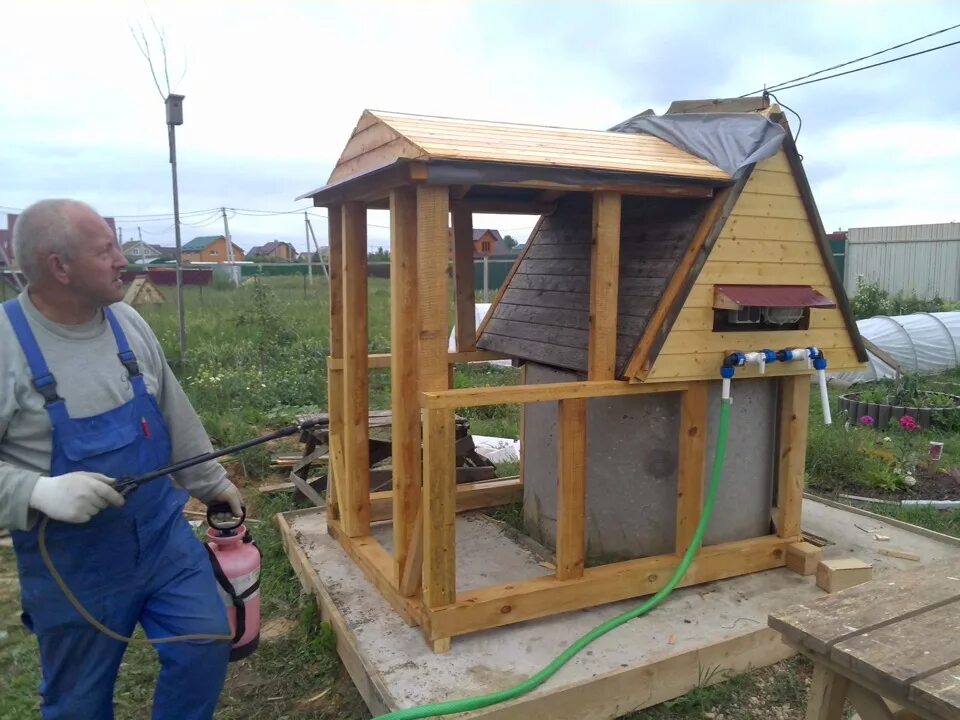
74,497
230,496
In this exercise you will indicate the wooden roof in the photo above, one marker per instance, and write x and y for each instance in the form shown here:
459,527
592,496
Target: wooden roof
383,138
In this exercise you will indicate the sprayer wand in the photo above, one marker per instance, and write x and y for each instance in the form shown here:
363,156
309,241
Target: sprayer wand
127,485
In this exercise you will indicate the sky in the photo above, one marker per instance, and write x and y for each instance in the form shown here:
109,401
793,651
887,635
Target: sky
273,90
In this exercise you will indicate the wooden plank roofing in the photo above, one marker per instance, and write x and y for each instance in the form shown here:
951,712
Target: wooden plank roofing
382,139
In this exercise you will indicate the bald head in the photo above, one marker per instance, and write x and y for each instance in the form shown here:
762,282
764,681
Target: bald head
51,227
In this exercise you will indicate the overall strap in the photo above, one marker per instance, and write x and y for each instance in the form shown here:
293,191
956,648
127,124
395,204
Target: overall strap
127,358
41,377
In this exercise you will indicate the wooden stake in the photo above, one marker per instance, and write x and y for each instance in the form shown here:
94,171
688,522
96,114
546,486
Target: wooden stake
604,286
404,358
354,490
692,452
791,452
335,376
572,488
463,274
413,559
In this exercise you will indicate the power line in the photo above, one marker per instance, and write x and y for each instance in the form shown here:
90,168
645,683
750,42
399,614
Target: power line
867,67
859,59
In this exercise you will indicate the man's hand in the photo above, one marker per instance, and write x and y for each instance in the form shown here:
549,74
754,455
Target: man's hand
74,497
230,496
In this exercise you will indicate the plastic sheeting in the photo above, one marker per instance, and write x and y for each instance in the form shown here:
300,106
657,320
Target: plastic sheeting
731,141
923,343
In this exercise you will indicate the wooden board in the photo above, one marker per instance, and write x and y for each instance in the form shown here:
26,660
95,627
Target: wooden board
515,602
335,375
404,361
354,487
571,489
604,284
691,463
544,392
794,411
466,326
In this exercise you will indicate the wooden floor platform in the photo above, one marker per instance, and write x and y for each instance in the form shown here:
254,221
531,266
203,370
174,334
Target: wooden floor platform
707,631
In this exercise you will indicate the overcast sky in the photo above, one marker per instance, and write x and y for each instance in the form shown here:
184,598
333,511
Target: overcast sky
274,89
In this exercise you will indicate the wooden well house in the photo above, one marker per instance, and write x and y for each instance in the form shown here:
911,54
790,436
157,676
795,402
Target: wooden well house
649,264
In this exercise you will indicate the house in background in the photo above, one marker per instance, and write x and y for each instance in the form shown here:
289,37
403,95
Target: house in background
489,242
139,252
278,249
210,248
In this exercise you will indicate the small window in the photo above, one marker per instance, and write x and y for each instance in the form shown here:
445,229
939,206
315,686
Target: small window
485,246
214,252
765,307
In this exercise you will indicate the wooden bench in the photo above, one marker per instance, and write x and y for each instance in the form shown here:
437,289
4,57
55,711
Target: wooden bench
896,637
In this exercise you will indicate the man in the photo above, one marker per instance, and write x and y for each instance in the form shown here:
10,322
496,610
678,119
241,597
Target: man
86,397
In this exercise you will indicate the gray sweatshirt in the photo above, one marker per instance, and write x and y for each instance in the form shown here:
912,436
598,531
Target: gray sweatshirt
91,380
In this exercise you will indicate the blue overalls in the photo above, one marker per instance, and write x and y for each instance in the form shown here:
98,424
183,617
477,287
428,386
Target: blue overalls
137,563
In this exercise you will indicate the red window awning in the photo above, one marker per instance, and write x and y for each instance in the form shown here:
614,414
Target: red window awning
734,297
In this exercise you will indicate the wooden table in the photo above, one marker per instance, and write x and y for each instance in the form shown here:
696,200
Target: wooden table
895,637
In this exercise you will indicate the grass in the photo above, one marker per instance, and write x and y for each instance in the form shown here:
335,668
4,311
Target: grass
257,358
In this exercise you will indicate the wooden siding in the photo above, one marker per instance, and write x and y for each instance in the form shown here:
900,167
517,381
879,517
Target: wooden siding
382,138
543,314
768,239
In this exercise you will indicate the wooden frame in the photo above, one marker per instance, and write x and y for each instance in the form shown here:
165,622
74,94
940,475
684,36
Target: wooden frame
419,578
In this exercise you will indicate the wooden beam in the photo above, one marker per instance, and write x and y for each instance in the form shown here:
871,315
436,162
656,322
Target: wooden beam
518,601
377,565
514,394
404,359
439,508
682,280
469,496
383,360
691,459
335,375
828,691
439,461
463,276
412,570
791,452
504,206
604,286
572,488
354,490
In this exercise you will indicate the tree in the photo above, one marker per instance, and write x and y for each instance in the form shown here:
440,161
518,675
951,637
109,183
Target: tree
510,241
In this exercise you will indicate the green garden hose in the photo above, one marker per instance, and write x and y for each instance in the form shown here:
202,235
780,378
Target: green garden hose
482,701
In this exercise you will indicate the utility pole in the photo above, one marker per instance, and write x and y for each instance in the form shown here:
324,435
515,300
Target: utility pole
306,232
139,233
174,104
226,234
323,263
120,239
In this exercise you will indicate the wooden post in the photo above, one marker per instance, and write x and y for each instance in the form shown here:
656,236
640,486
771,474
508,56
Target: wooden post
335,377
691,457
791,452
404,357
572,488
463,275
354,490
827,693
439,460
604,285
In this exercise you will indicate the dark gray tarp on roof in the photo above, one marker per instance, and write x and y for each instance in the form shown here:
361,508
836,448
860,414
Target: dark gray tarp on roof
731,141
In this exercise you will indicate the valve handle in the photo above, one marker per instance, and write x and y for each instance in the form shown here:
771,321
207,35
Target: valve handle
221,517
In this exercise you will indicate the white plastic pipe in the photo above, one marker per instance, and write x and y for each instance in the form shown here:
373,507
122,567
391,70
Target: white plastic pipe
757,358
824,397
725,389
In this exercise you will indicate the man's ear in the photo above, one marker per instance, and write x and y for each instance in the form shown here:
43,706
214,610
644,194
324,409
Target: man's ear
59,268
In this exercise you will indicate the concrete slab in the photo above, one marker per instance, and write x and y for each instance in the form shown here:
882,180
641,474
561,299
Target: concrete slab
699,635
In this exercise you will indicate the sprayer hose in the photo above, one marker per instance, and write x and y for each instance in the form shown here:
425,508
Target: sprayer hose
482,701
85,614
